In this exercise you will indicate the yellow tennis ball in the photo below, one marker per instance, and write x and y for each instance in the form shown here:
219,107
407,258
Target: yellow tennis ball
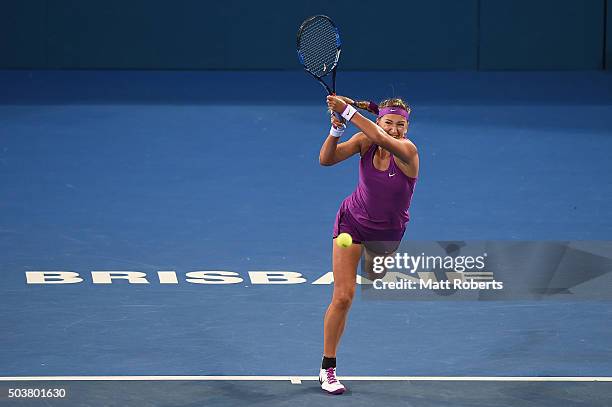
344,240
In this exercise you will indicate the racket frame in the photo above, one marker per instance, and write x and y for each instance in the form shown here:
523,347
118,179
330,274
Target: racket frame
332,90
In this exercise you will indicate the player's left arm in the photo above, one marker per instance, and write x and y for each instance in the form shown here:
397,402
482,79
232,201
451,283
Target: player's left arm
403,149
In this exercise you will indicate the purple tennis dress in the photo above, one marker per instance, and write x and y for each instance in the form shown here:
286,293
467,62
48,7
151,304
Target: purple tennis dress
378,209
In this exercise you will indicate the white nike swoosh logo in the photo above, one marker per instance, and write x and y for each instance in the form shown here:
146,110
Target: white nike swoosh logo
391,175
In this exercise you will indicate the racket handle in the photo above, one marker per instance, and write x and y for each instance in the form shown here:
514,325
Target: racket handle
338,115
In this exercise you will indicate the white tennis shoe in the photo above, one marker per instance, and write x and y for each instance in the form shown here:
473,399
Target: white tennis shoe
329,381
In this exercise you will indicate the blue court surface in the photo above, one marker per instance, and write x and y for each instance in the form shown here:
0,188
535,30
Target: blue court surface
162,174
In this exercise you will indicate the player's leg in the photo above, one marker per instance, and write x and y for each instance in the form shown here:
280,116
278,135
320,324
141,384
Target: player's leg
375,257
345,261
368,265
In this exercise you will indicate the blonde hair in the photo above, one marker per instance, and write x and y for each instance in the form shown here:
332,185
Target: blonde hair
395,102
374,108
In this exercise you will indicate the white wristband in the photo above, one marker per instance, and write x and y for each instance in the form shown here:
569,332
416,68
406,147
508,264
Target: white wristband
337,132
349,112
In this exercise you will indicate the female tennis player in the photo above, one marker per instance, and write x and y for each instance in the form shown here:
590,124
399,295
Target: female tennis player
377,211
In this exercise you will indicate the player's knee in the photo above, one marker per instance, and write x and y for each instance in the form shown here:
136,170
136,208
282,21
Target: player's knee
343,299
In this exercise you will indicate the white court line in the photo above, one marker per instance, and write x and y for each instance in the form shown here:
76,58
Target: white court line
299,379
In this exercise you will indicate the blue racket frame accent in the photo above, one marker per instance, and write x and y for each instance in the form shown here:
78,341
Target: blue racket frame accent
332,90
337,59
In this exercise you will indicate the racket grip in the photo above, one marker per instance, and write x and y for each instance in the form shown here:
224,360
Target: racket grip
338,115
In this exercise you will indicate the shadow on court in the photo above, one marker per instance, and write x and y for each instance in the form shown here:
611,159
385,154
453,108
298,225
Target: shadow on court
308,393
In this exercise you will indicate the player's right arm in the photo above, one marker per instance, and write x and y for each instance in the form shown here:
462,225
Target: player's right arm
333,152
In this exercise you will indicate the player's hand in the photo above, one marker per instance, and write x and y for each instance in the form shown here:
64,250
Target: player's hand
337,123
336,104
347,100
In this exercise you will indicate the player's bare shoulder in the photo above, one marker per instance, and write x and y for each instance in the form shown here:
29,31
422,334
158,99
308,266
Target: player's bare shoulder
413,146
364,143
410,149
410,167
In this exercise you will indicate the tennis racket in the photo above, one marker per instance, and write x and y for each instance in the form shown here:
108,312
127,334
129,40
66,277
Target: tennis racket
318,49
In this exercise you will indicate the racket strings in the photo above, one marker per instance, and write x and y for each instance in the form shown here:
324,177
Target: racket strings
318,46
